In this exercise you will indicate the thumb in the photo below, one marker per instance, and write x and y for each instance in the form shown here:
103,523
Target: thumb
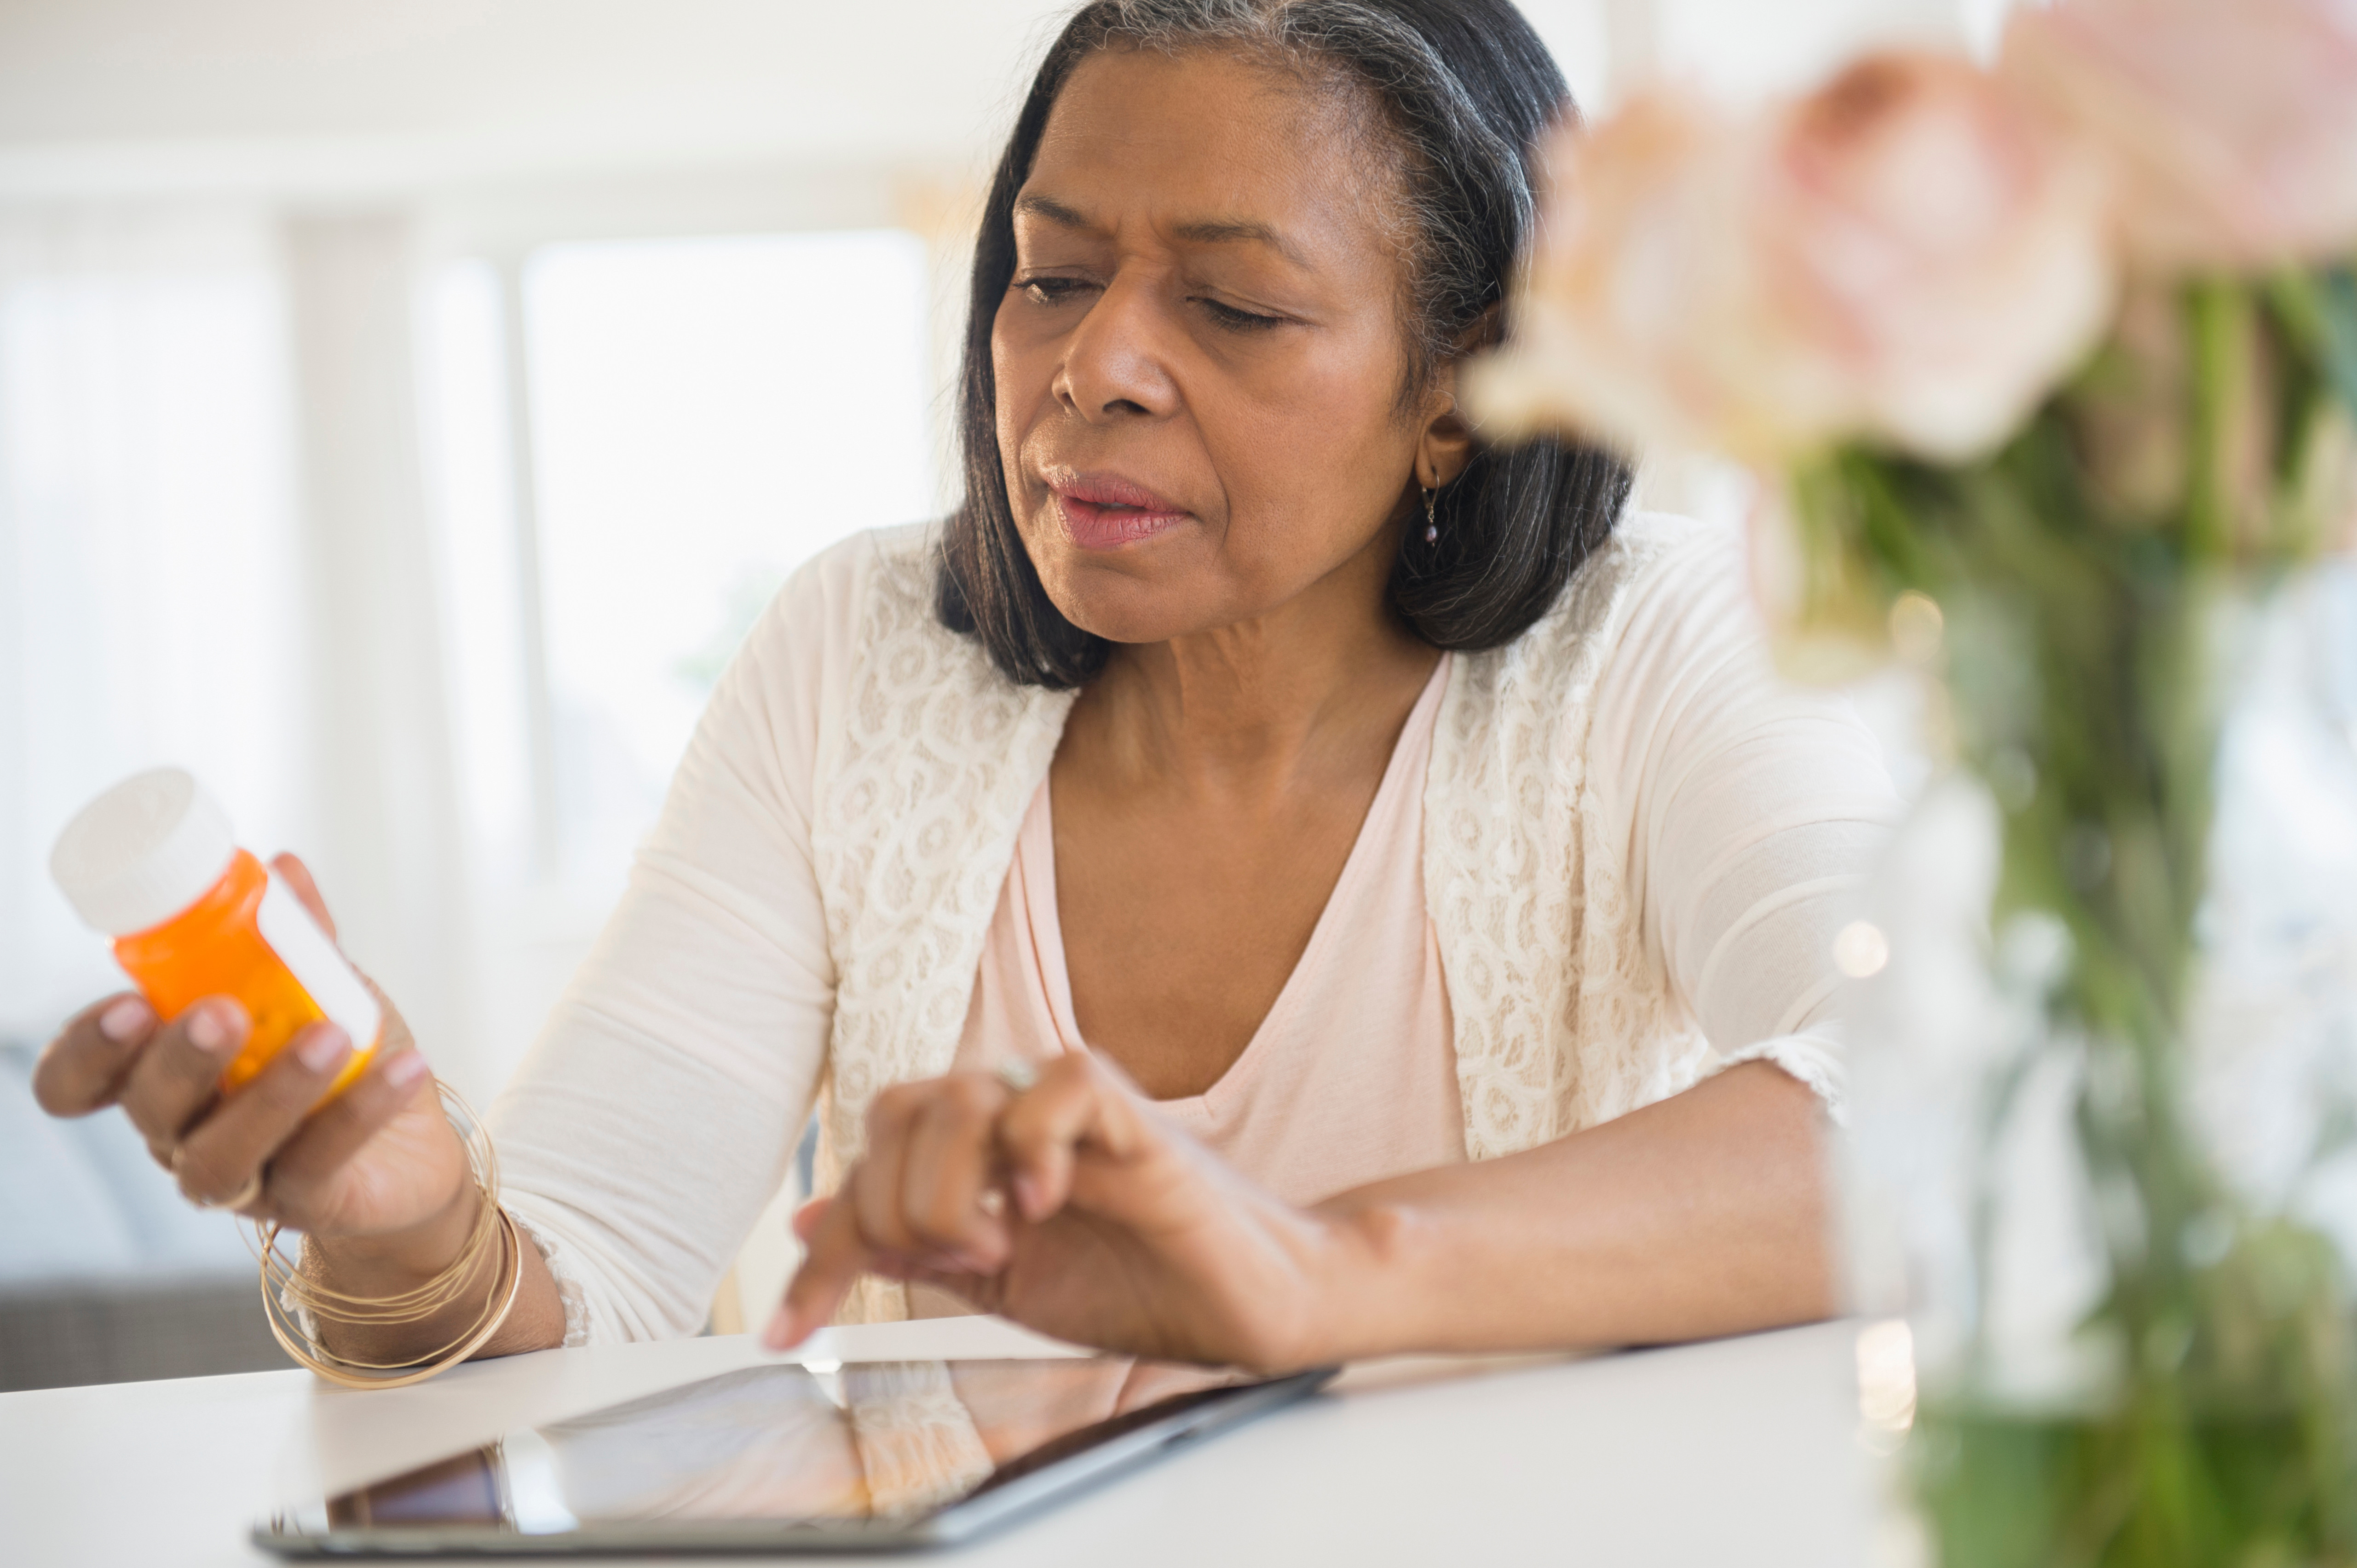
807,1217
298,880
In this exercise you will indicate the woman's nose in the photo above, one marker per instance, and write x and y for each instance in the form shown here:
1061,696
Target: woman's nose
1114,365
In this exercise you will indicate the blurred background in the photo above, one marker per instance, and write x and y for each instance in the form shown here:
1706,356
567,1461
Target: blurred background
405,406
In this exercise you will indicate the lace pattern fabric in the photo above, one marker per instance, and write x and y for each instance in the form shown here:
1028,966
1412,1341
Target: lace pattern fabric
917,1441
1562,1021
570,1294
916,825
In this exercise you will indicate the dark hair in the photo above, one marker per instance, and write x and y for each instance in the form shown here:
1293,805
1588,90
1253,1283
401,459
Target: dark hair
1464,90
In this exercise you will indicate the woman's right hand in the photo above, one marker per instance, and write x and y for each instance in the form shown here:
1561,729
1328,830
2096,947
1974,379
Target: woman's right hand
378,1163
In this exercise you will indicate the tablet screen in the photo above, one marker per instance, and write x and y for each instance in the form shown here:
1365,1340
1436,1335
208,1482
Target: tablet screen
860,1445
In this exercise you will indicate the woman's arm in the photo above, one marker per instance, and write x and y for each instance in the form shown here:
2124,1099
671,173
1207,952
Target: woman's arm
375,1178
652,1122
656,1114
376,1268
1699,1214
1749,809
1076,1208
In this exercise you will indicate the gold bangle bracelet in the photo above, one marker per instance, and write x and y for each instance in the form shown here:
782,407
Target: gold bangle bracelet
345,1373
286,1290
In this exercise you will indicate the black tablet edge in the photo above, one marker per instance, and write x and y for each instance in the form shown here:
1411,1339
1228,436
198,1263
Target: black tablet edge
997,1502
977,1514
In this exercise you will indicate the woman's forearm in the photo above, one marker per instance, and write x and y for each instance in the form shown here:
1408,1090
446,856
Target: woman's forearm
379,1268
1703,1214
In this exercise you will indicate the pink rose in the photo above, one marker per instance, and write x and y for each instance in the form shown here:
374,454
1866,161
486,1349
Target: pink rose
2232,124
1904,253
1957,247
1643,317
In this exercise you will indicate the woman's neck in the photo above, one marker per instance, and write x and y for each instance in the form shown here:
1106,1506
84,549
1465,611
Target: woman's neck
1264,703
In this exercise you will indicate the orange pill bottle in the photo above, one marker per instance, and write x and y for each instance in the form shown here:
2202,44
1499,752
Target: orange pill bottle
154,864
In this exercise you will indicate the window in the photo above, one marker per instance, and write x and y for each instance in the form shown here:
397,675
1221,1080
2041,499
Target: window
150,582
698,417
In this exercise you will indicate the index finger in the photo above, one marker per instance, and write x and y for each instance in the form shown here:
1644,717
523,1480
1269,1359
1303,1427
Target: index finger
1076,1101
84,1069
836,1258
298,879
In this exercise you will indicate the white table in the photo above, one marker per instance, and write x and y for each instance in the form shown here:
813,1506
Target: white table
1737,1452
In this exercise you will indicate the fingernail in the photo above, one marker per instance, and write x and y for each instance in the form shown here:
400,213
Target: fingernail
779,1335
322,1047
1027,1195
126,1021
206,1030
406,1069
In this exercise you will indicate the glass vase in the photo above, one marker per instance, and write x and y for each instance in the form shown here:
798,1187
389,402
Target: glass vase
2103,1153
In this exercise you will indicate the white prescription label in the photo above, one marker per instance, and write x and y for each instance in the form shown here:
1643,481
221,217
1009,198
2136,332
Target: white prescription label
316,964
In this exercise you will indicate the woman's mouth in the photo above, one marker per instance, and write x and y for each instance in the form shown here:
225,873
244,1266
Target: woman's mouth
1106,511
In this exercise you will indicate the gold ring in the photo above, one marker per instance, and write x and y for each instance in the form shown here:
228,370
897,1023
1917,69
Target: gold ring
241,1197
238,1199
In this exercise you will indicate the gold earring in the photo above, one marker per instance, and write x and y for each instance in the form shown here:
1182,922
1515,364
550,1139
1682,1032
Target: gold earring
1431,528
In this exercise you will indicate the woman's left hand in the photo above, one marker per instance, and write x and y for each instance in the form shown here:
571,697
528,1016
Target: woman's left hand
1074,1208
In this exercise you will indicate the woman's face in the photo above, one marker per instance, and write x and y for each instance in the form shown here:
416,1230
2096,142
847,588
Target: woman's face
1201,356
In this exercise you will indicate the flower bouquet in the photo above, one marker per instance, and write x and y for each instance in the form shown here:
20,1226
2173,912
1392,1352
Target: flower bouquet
2048,371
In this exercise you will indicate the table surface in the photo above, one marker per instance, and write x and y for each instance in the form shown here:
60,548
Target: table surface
1737,1451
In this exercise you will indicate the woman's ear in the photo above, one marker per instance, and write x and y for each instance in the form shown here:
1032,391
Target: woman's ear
1446,443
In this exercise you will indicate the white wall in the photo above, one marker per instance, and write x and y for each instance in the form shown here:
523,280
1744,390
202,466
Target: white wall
336,97
342,96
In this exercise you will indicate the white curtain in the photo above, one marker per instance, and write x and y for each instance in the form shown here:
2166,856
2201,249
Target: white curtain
147,563
390,851
212,554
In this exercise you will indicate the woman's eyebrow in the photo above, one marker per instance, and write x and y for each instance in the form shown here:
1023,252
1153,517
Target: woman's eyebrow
1200,232
1229,230
1053,211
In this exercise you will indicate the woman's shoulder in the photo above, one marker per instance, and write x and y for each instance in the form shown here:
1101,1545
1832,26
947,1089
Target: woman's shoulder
1655,567
793,675
866,585
887,563
1652,557
1643,536
855,642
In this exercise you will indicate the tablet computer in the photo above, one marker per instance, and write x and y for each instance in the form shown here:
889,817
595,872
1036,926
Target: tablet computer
785,1457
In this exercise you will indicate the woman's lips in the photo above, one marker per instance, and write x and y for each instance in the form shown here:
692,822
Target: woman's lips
1104,511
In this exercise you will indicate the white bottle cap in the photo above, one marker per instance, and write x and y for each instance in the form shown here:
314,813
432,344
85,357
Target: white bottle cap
143,851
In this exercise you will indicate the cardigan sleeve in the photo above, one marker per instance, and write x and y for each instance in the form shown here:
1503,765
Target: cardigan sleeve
1754,809
657,1111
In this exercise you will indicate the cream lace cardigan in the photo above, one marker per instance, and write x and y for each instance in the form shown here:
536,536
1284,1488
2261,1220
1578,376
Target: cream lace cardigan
807,919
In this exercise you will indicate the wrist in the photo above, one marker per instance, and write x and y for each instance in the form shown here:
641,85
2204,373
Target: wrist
418,1251
1365,1296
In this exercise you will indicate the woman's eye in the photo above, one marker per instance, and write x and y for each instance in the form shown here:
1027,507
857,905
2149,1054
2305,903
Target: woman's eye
1235,320
1051,291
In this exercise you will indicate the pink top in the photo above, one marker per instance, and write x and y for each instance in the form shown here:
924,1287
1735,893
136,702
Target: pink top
1352,1075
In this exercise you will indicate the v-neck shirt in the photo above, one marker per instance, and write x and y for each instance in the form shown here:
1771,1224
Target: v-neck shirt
1351,1076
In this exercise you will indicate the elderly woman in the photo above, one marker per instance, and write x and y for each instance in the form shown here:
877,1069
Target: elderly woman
1272,879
